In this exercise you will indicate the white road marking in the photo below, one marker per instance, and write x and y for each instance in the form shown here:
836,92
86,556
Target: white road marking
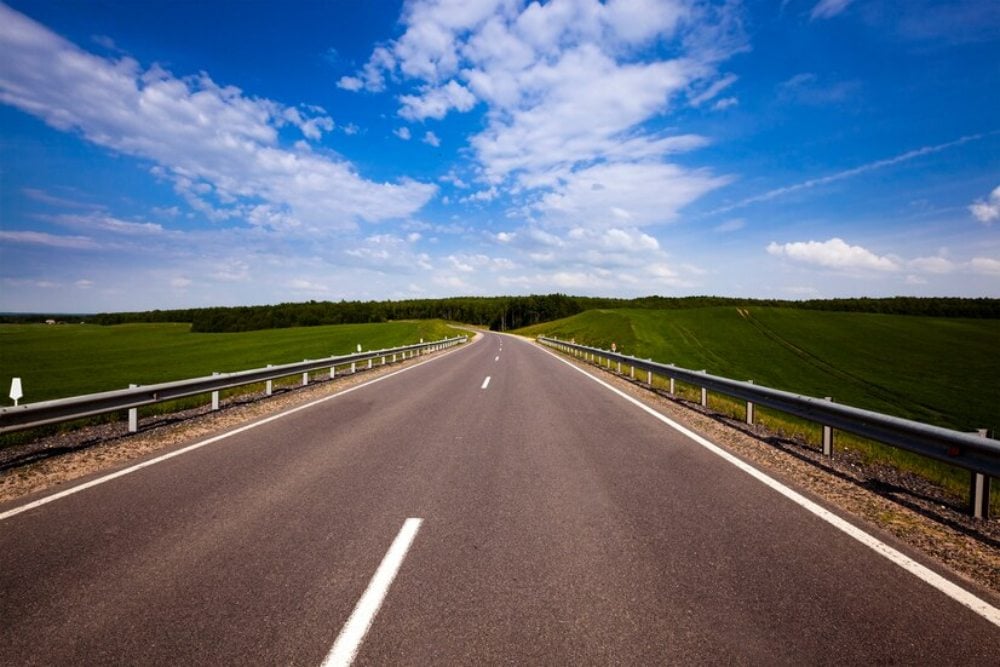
159,459
345,649
928,576
496,358
486,382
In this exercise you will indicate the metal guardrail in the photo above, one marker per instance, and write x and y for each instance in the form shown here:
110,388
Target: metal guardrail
30,415
977,454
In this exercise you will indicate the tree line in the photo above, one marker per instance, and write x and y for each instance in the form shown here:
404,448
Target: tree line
499,313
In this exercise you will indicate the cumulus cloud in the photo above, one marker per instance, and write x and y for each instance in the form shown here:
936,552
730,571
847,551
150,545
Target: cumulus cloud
987,211
403,133
220,147
633,193
834,254
614,260
561,85
431,139
436,102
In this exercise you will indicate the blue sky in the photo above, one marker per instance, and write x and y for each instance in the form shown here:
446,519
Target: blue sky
180,154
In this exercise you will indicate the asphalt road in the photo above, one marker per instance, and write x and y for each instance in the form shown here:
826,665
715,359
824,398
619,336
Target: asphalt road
560,525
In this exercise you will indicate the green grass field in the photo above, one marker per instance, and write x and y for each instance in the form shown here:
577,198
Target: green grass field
69,360
936,370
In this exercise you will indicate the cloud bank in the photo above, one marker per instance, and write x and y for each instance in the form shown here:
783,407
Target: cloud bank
221,149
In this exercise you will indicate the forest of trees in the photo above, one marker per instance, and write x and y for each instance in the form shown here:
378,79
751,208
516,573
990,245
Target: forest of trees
500,313
511,312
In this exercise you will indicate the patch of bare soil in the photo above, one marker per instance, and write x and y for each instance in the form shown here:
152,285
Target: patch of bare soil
908,507
51,461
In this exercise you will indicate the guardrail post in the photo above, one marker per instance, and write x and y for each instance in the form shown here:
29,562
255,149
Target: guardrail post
632,373
827,435
619,368
269,386
353,368
750,409
704,397
383,360
133,415
333,372
649,376
215,396
979,491
671,386
393,357
369,363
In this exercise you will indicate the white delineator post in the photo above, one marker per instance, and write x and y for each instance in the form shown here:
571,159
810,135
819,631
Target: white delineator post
827,435
133,415
979,493
269,386
750,409
215,396
16,393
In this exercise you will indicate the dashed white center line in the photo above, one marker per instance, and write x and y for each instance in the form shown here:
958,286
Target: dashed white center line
486,382
496,358
345,649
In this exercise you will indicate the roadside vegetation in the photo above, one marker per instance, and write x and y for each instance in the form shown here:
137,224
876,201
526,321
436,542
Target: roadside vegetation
56,361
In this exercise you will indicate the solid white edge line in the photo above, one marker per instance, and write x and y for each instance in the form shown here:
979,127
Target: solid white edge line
928,576
345,649
486,382
222,436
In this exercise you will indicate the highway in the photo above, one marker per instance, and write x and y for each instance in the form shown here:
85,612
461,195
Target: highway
558,524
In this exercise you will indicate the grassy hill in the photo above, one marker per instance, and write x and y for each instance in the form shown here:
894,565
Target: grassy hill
942,371
72,359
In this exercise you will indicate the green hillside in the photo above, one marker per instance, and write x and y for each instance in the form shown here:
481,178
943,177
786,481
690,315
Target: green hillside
72,359
937,370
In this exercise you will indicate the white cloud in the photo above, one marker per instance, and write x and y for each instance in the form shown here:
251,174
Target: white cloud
641,193
826,9
939,265
99,222
713,90
49,240
219,147
487,195
985,266
437,102
733,225
403,133
431,139
562,87
725,103
987,211
351,83
834,254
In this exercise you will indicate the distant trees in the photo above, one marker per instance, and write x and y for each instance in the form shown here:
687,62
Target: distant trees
512,312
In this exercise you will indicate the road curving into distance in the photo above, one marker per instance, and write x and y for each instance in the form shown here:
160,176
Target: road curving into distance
489,505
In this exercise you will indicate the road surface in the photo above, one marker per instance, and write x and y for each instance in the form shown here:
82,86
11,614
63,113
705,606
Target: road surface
558,524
